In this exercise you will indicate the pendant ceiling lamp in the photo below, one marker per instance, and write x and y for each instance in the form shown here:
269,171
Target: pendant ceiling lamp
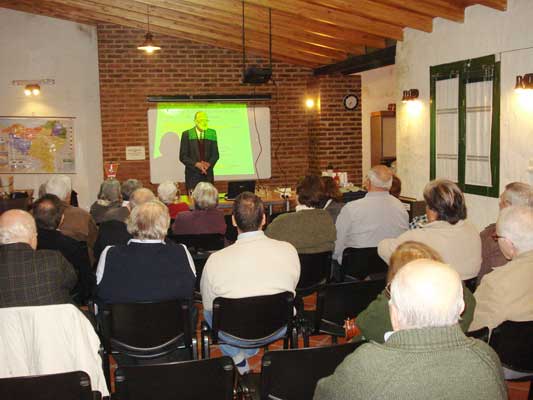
148,45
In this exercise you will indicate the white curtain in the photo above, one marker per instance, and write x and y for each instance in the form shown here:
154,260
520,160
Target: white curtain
478,133
447,128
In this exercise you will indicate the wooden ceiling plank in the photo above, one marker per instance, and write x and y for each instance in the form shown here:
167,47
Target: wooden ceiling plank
284,24
382,12
301,8
195,33
443,10
263,37
496,4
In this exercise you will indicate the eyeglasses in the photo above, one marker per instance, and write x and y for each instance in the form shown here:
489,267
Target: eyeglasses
387,291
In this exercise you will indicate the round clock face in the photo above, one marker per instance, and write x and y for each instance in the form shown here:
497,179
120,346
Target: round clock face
351,102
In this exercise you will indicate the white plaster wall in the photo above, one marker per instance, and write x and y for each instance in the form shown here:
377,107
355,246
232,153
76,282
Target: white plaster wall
38,47
485,31
378,89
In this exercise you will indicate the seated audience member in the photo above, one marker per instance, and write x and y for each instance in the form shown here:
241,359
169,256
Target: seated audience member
506,294
515,194
375,321
114,232
109,198
48,213
30,277
331,197
427,356
254,265
310,229
168,193
205,218
121,213
377,216
77,223
146,268
396,187
455,239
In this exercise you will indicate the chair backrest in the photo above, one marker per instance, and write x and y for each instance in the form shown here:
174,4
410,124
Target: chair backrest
481,334
293,374
201,379
66,386
231,231
513,341
252,318
315,270
338,301
146,329
201,242
362,262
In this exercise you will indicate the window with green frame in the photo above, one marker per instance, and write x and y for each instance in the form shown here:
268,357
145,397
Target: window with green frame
465,124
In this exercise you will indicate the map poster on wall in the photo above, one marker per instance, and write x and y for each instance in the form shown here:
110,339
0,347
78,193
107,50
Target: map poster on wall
33,145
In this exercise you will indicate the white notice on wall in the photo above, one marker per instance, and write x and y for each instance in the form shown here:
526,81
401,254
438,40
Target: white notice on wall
135,153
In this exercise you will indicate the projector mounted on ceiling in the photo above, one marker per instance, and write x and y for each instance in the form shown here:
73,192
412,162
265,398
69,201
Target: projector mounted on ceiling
255,75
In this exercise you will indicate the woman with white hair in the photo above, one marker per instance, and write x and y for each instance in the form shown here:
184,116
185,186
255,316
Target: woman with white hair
205,218
168,193
109,197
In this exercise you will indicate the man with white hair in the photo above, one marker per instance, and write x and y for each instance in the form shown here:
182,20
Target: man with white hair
506,293
427,356
146,268
30,277
377,216
77,223
515,194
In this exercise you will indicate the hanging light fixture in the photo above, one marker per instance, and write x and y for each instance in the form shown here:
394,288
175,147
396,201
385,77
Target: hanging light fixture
148,46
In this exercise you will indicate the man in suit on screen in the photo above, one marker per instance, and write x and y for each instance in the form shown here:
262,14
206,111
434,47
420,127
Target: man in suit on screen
199,151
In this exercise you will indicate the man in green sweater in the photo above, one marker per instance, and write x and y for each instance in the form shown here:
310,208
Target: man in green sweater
427,356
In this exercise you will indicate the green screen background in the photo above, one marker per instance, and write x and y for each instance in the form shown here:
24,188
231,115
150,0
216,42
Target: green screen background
230,121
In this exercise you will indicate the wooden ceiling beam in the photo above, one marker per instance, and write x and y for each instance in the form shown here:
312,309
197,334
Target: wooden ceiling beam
223,27
441,9
256,17
300,8
381,12
194,33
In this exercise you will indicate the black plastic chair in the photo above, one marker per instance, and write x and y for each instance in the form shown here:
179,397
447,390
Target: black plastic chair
315,272
146,331
231,231
481,334
66,386
251,319
337,302
201,242
363,262
201,379
513,342
293,374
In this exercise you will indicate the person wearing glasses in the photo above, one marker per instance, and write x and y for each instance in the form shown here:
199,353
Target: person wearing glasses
426,356
199,151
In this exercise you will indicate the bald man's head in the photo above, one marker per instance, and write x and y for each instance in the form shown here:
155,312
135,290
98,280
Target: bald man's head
426,293
141,196
18,226
379,179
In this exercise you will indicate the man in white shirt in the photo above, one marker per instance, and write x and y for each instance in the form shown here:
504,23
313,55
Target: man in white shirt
254,266
377,216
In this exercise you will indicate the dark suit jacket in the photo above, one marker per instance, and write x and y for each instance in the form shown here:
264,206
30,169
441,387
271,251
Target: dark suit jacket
110,233
190,155
76,254
34,278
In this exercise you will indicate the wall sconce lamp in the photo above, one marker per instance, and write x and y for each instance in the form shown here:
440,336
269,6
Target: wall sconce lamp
33,87
148,46
309,103
524,82
409,95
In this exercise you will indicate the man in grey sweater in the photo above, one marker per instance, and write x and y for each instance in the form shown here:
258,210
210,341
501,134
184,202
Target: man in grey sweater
427,356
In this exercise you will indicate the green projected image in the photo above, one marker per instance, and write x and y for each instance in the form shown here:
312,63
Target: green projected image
230,121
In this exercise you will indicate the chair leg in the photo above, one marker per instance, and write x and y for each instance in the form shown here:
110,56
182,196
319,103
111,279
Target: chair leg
107,369
334,339
305,335
294,338
194,348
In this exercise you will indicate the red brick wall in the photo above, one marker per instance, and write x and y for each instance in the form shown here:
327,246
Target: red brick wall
128,76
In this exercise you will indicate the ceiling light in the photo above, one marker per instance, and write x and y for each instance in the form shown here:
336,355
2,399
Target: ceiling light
148,46
32,89
309,103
